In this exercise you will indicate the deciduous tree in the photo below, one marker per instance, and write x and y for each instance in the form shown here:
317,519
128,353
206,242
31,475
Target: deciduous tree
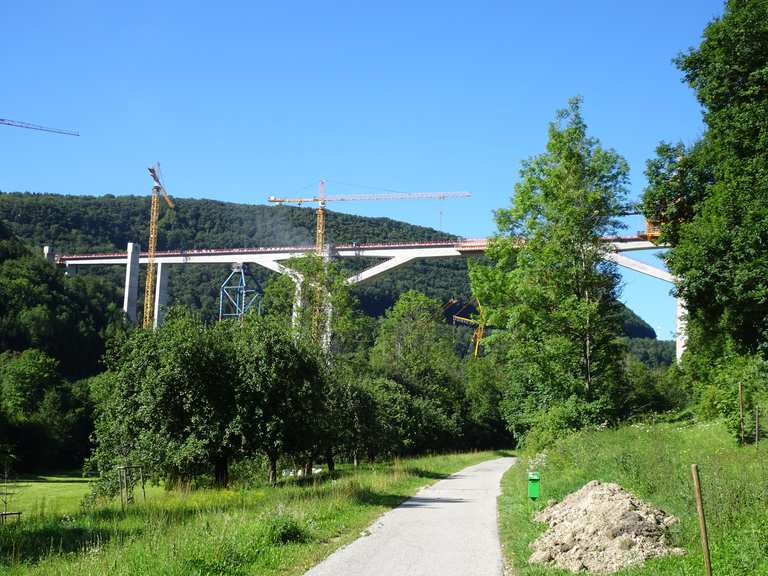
550,287
713,196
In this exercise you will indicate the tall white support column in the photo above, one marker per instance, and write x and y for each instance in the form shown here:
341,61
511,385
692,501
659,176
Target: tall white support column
49,254
131,296
161,292
681,338
296,310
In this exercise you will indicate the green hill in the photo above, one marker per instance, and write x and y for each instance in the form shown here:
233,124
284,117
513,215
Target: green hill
106,223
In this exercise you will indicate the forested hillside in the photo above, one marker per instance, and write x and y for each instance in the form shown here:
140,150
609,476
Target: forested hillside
105,223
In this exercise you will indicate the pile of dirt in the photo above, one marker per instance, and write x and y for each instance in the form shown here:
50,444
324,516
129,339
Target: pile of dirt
601,528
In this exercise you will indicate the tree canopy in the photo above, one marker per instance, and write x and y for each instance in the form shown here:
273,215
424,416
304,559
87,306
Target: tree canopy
550,287
712,197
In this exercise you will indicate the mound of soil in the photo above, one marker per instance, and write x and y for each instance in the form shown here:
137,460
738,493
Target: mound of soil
601,528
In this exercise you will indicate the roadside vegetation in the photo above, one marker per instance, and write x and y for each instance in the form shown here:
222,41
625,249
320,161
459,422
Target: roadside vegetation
709,200
246,529
653,462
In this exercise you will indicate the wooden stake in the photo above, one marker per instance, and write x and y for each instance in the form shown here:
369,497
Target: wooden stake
702,520
757,425
741,413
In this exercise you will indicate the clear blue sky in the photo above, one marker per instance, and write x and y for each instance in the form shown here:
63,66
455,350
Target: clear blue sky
241,100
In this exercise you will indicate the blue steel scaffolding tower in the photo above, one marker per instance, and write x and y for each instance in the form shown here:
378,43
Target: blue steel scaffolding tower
236,297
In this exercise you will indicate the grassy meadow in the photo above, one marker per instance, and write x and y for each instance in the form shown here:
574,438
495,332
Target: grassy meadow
653,462
281,530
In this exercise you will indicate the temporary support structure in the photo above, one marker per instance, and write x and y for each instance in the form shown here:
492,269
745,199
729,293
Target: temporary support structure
236,297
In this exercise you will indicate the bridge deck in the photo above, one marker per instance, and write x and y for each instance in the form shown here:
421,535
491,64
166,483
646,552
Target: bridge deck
463,246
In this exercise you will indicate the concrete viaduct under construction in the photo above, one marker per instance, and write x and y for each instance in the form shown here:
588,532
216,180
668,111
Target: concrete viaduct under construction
393,255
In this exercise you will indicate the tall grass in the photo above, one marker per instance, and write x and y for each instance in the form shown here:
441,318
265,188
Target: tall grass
281,530
653,462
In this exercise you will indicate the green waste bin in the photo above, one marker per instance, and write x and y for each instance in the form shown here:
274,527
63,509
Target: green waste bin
534,485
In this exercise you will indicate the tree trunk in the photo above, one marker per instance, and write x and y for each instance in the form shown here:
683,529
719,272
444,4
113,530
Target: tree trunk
221,472
329,460
308,467
272,469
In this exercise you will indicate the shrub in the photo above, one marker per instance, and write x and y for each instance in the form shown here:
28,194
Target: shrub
560,420
283,528
651,390
721,399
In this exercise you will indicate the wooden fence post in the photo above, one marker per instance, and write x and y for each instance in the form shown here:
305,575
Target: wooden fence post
702,520
741,413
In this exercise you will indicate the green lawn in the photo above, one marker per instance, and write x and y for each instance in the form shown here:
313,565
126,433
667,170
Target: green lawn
40,495
282,530
653,462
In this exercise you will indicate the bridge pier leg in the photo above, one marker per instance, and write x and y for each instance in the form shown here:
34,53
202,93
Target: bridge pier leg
49,254
681,338
161,292
131,294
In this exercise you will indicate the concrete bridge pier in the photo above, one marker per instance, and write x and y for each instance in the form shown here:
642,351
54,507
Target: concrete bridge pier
131,294
161,293
49,254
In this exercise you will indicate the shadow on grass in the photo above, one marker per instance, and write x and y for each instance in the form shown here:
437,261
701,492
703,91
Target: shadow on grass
505,453
371,498
31,478
421,473
29,542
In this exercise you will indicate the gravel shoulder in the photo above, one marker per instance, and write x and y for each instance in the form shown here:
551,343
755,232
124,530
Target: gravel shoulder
447,529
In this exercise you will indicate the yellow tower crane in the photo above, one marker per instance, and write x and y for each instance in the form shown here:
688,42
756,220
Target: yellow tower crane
479,323
322,199
149,288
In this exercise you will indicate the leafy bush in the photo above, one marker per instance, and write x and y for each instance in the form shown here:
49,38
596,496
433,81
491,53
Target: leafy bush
721,399
651,390
283,528
560,420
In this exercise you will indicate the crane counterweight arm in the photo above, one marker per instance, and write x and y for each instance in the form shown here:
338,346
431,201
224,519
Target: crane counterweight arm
17,124
356,197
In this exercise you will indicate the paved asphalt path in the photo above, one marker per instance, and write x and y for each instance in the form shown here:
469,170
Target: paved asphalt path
448,529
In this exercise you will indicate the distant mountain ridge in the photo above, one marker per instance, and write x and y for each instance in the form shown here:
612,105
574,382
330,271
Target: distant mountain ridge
107,223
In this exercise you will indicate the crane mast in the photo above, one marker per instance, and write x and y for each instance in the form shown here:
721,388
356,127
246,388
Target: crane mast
320,213
149,287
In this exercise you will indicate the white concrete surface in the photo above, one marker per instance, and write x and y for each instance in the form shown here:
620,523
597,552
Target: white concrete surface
131,293
448,529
